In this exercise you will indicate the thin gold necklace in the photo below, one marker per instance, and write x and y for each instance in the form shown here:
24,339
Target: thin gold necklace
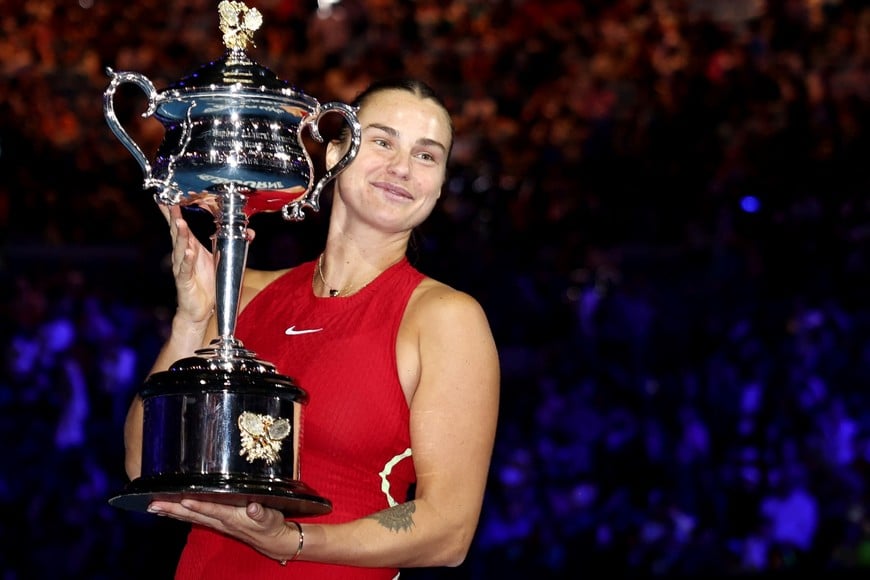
333,292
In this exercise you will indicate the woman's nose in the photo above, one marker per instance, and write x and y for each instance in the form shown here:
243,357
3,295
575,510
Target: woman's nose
399,165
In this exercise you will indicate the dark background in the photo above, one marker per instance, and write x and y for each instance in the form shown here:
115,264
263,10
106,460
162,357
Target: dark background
662,206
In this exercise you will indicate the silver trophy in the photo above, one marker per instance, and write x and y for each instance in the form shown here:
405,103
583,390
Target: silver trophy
223,425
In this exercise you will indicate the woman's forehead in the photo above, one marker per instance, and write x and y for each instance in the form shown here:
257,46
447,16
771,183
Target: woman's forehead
398,109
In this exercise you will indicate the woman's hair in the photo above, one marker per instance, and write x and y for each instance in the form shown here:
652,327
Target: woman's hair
415,87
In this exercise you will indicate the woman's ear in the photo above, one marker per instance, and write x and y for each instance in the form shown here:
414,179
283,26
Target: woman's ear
334,153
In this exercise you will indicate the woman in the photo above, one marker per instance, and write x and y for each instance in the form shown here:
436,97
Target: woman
402,372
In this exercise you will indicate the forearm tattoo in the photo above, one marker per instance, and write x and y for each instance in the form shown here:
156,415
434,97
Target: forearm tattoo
397,518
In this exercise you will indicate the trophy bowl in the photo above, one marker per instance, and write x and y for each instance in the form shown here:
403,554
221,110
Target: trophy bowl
223,425
232,124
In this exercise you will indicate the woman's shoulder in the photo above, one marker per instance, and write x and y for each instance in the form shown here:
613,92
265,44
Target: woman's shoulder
256,280
433,298
259,279
441,319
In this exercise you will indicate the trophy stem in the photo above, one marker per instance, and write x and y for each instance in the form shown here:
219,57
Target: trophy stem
230,246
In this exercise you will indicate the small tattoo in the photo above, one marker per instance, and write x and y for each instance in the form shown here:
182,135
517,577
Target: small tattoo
397,518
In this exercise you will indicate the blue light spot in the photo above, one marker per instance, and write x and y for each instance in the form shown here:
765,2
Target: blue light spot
750,204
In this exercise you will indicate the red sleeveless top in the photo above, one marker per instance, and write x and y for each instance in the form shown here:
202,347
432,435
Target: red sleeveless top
355,445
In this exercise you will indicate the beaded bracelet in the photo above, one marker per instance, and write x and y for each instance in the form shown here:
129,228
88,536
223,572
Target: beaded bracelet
301,541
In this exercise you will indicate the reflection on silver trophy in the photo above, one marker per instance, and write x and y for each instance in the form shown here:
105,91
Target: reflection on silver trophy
223,425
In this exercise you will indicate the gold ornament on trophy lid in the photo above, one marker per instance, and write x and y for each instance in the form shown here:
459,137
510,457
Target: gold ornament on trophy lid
238,24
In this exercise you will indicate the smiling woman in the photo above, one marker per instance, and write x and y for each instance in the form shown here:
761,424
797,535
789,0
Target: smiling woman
402,372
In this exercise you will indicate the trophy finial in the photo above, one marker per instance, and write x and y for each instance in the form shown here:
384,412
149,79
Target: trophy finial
238,23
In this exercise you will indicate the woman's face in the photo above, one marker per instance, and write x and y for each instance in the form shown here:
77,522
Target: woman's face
397,176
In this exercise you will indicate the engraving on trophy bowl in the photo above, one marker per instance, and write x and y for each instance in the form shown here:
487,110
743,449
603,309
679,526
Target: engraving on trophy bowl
257,149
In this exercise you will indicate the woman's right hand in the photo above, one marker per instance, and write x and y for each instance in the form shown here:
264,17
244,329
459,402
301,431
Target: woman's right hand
193,268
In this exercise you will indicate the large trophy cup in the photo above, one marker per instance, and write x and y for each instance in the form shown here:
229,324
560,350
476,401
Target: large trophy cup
223,425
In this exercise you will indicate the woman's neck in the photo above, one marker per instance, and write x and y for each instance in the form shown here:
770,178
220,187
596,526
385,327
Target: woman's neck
341,272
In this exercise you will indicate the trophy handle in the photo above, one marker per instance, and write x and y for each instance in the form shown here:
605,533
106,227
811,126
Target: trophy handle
147,86
167,191
294,211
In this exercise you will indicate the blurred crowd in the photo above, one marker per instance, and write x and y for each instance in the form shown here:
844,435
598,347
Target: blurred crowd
662,205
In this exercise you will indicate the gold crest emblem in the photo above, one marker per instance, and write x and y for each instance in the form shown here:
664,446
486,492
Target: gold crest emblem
262,436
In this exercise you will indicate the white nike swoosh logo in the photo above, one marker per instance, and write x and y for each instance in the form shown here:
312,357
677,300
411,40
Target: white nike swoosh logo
292,330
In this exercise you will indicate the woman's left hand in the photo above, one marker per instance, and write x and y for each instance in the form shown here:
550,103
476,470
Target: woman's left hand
256,525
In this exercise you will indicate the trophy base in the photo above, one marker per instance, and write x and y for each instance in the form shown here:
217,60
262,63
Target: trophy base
294,498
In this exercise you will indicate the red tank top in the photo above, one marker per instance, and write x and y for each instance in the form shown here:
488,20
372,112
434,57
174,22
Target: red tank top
355,446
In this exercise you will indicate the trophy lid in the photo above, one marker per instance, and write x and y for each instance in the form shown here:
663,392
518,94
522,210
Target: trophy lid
234,70
234,75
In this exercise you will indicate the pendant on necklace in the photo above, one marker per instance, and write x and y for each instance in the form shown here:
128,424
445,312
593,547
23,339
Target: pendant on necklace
333,292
